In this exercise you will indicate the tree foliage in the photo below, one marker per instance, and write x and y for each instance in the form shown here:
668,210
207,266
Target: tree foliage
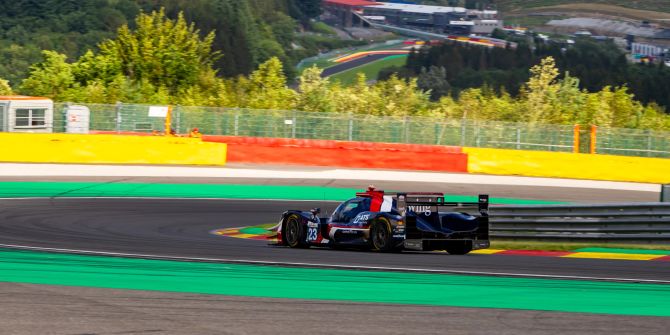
596,64
163,52
52,77
5,88
247,32
158,59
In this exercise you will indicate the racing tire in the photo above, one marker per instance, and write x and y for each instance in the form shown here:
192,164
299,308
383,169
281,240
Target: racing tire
459,248
381,237
295,234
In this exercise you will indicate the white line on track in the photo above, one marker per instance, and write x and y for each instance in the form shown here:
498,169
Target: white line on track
329,266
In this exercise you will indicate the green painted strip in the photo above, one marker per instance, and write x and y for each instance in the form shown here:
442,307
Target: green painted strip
625,251
255,230
216,191
342,285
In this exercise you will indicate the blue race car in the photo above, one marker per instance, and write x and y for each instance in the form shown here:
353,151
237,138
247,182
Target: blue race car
391,222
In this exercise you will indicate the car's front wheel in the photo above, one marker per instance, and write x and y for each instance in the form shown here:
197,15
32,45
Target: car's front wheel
380,235
295,234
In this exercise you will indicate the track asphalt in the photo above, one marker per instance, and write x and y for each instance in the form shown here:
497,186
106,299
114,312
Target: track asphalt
352,64
182,228
47,309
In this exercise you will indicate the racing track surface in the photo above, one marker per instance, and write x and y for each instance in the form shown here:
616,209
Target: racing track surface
352,64
181,228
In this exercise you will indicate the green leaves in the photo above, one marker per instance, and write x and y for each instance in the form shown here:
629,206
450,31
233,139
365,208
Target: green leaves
163,52
5,89
52,77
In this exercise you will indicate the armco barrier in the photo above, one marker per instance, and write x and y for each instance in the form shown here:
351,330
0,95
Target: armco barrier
342,153
109,149
332,144
568,165
629,222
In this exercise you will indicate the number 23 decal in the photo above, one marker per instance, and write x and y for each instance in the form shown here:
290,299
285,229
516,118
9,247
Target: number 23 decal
312,234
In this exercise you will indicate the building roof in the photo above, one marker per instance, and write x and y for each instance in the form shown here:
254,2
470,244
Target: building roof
424,9
20,97
351,3
663,34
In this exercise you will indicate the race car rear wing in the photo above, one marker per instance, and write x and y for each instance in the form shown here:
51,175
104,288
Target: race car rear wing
431,237
437,199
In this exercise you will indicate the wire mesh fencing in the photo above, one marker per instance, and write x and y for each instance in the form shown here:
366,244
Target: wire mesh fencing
123,118
633,142
329,126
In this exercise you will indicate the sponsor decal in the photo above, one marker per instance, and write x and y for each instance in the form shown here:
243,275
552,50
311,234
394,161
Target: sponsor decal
421,209
361,218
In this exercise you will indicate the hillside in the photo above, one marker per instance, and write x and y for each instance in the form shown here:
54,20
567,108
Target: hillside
248,32
507,6
649,5
536,12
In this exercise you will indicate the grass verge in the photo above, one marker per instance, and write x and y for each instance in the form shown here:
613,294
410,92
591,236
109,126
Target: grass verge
569,246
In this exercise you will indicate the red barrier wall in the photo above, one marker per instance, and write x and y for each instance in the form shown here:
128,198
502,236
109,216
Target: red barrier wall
290,151
343,154
331,144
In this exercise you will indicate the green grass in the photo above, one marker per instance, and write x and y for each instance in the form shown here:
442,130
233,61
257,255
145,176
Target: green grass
322,28
371,70
569,246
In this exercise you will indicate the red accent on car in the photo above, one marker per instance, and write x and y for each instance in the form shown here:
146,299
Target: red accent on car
377,197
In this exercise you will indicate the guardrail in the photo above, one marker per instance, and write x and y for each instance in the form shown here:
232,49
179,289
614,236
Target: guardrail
640,222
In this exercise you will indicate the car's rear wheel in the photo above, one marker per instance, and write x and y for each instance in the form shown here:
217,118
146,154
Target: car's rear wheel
295,233
459,247
380,235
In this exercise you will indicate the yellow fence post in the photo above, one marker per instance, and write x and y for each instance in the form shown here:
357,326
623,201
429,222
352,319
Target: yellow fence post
168,121
594,131
575,143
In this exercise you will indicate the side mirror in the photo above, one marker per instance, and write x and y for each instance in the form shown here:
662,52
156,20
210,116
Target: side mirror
315,211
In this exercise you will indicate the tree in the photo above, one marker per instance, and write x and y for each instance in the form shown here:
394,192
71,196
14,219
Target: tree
540,90
309,8
266,88
162,52
435,81
314,92
51,77
5,89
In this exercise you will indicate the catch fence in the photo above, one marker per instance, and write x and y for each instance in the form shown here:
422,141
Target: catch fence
328,126
633,142
124,118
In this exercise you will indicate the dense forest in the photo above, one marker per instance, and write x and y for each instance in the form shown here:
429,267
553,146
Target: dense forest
167,56
247,32
595,64
169,61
